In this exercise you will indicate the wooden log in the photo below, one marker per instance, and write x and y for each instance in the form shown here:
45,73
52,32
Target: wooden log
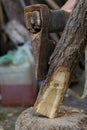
63,62
69,119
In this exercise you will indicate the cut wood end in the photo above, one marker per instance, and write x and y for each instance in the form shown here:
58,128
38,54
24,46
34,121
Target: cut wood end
48,104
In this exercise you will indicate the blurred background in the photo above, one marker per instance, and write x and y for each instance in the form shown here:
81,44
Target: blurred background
17,76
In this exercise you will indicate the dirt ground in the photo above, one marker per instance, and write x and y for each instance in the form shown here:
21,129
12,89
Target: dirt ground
8,116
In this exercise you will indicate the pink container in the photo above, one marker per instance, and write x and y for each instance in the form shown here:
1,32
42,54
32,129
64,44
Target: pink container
18,95
17,85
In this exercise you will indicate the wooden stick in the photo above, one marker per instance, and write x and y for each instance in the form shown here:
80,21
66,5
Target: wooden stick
63,62
53,4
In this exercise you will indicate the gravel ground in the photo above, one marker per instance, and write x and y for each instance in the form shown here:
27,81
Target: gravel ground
8,117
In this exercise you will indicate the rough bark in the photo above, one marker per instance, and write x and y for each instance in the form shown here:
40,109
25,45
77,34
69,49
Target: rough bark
63,61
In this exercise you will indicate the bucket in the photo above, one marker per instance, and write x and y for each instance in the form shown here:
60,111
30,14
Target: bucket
17,85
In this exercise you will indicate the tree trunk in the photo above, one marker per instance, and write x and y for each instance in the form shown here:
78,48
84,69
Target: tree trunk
69,119
63,61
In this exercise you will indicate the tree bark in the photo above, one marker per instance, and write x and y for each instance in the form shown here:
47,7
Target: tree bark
69,119
63,61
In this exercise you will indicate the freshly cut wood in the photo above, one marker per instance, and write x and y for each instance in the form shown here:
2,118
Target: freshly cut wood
53,92
69,119
63,62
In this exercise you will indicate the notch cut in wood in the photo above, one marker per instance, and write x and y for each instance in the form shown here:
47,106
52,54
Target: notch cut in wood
53,91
